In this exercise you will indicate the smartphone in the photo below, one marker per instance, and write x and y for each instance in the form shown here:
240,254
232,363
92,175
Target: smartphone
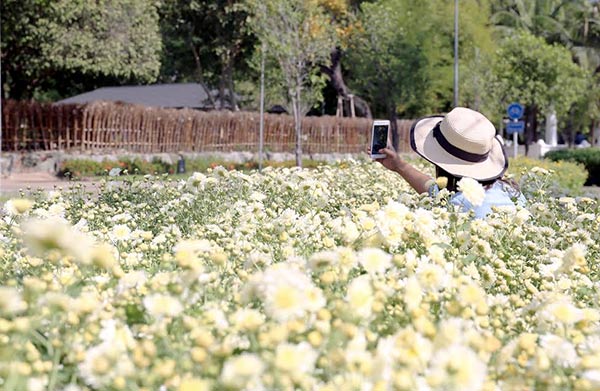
379,137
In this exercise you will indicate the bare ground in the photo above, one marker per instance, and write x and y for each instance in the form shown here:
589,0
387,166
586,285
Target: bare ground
30,181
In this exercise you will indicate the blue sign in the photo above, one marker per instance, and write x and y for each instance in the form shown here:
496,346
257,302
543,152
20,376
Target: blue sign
515,127
515,111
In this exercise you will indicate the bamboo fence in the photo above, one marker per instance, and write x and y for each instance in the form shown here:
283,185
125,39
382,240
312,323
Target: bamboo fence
108,126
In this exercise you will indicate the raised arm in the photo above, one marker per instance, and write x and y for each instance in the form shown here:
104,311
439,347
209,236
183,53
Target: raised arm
418,180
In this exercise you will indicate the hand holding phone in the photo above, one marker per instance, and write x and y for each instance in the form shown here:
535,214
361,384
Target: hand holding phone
379,137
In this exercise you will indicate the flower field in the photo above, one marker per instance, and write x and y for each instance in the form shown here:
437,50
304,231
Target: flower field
339,278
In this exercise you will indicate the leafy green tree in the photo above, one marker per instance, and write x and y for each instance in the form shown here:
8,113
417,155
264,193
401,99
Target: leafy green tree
584,25
402,58
208,42
298,36
539,75
44,41
574,24
393,58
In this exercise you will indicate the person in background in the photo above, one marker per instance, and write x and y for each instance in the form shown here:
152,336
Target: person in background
464,148
581,140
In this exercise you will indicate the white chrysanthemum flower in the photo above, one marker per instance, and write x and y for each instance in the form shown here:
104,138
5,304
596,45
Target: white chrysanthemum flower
392,221
471,294
122,218
72,387
42,235
132,279
287,293
559,350
456,368
57,210
120,233
37,383
242,371
188,252
413,293
18,206
522,216
360,296
159,239
472,190
296,360
412,349
432,277
257,259
11,301
374,260
451,331
573,257
117,334
103,363
159,305
247,319
323,259
257,196
350,231
356,354
593,377
436,254
561,311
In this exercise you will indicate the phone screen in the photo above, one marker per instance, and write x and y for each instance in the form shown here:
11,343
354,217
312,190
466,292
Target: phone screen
380,134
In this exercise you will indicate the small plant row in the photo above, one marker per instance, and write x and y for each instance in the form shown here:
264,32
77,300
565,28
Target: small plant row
78,168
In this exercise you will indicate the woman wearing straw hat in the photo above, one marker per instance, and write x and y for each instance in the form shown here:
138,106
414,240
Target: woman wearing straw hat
461,144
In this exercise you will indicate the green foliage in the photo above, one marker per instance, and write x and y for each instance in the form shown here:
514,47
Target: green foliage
403,55
78,168
207,42
587,157
563,177
534,73
44,42
298,35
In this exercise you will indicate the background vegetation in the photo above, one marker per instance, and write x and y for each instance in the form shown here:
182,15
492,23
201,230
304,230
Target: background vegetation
587,157
395,57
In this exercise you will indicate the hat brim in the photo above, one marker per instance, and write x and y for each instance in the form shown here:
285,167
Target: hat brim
424,144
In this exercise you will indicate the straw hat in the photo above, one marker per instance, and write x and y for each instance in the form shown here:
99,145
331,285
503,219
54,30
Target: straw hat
463,142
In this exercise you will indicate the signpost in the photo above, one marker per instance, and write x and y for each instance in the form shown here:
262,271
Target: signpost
515,127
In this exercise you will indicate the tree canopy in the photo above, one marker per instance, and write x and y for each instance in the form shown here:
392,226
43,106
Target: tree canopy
50,45
395,57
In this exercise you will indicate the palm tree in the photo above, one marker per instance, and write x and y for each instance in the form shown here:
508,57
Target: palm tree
543,18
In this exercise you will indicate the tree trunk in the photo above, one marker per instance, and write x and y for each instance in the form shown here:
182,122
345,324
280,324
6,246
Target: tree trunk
334,71
234,105
530,126
593,133
297,124
222,82
200,73
393,117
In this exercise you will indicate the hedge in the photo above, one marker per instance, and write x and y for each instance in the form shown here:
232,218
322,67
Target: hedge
565,178
588,157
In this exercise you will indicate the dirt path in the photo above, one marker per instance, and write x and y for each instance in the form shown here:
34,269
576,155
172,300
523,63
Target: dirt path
36,180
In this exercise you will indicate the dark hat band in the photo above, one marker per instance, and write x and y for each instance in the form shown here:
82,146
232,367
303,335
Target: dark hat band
455,151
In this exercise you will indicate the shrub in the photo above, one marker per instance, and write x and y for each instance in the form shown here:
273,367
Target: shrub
78,168
564,177
83,167
588,157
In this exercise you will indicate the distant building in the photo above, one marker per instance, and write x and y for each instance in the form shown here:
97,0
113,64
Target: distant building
177,96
